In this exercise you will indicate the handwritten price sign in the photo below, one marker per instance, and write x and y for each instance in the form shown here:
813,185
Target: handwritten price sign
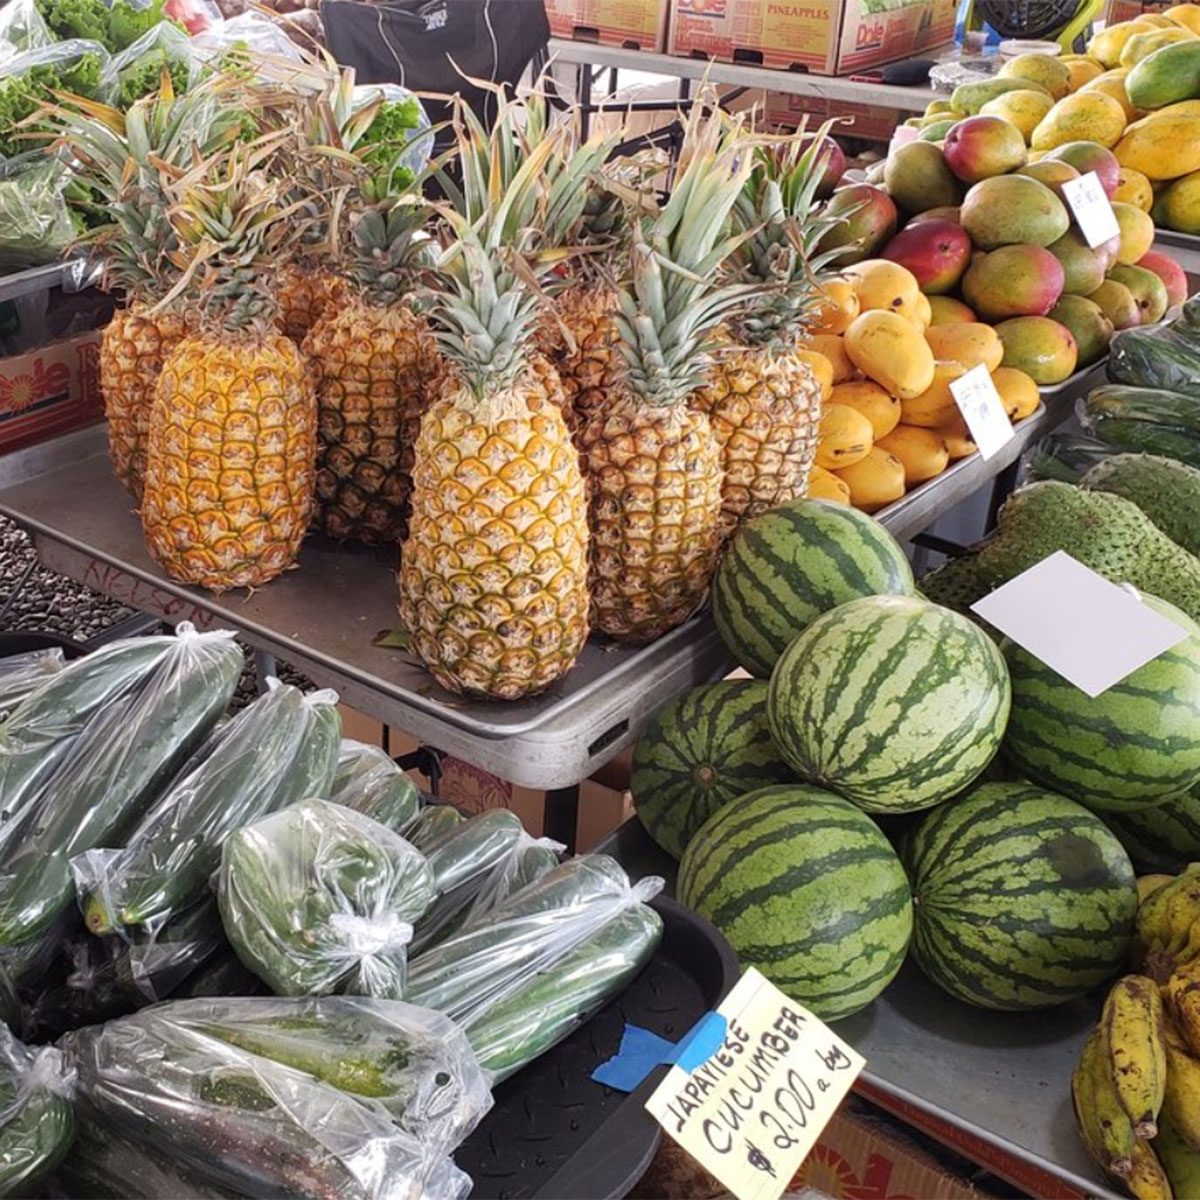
751,1113
982,409
1091,208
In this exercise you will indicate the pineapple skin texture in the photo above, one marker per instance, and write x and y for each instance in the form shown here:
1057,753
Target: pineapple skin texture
376,369
655,479
765,411
592,370
133,347
230,461
493,576
304,296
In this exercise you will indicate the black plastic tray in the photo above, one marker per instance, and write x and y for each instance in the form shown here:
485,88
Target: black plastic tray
554,1134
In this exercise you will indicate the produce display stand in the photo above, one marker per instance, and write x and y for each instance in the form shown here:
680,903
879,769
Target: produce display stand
70,275
994,1087
1184,248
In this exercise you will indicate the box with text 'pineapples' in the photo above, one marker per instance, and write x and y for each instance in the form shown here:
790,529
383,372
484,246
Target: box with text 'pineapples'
631,24
49,391
824,37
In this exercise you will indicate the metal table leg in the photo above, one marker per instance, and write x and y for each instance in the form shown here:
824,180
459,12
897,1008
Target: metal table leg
562,816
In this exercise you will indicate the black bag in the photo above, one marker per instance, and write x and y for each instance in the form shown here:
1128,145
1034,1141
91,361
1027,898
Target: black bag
429,45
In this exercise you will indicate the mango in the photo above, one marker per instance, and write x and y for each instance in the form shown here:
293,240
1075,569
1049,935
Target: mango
982,146
967,343
1010,209
1137,232
868,398
1090,328
1147,289
1018,392
921,314
1186,15
833,166
1168,75
1050,172
1112,83
1116,302
825,485
1179,205
888,349
945,310
832,348
936,131
1107,45
938,108
875,482
944,212
844,437
1083,268
1162,146
866,219
918,178
1090,156
1142,45
935,252
1042,348
1157,21
1023,109
879,283
1085,116
936,404
1134,188
836,306
1043,69
1080,70
957,437
1013,281
1170,272
922,452
969,98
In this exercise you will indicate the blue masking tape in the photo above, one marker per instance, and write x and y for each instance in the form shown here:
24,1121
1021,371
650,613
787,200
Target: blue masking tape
641,1051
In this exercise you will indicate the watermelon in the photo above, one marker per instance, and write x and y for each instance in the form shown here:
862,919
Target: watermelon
1165,837
1023,899
1128,748
786,567
808,890
700,752
893,702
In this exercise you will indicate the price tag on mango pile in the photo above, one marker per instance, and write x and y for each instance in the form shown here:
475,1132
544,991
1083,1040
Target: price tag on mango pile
1090,205
982,409
754,1109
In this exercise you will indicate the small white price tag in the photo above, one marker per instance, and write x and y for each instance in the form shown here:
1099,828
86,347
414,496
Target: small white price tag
1093,212
982,409
753,1111
1092,632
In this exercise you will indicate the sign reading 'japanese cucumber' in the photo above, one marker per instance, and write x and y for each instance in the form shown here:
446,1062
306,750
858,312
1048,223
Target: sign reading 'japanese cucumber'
752,1111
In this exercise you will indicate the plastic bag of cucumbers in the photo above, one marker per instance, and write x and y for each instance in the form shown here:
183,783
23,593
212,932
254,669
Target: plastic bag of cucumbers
36,1120
22,674
523,976
370,782
317,898
331,1097
279,749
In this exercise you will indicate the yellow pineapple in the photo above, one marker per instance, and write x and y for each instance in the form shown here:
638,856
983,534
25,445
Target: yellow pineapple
493,575
230,459
305,294
652,463
761,397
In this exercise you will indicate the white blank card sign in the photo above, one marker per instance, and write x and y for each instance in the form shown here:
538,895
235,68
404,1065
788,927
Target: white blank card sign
1092,632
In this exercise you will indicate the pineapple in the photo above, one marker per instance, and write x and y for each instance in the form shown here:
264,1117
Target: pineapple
493,576
305,294
653,465
230,458
762,399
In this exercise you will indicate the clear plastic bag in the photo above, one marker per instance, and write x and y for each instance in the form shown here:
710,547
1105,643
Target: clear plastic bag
318,898
36,1121
253,37
36,225
400,135
370,782
29,80
277,750
22,29
22,674
331,1097
137,70
432,823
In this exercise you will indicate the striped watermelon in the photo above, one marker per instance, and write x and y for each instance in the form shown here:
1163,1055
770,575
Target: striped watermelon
1023,899
700,752
806,889
1124,750
891,701
1165,837
793,563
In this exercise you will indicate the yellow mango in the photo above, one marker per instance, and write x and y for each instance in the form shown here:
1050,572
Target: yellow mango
1178,207
1181,108
1112,83
1082,69
968,343
1018,392
880,283
890,350
1110,41
1185,15
936,404
922,452
1134,188
1083,117
843,438
1137,232
868,398
1141,45
825,485
1025,109
921,313
875,481
1157,20
957,437
831,347
1161,146
836,306
1042,69
946,310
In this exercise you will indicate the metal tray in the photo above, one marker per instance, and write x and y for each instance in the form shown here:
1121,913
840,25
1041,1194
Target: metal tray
1184,248
554,1134
69,275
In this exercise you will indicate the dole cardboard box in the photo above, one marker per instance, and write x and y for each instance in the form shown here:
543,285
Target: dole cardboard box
824,37
870,122
50,391
631,24
1125,10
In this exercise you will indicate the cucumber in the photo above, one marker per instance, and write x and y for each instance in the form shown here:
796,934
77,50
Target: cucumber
1066,457
315,766
556,1001
37,1123
1156,356
169,857
1145,420
22,674
369,782
431,823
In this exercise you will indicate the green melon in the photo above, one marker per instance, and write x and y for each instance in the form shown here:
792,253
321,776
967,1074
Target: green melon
893,702
1124,750
1023,899
808,890
1164,838
700,752
789,565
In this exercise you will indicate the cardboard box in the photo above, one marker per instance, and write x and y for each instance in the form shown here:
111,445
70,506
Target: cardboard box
869,122
1125,10
631,24
50,391
824,37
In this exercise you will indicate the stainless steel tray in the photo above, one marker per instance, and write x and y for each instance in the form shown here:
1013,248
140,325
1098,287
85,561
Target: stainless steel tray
70,275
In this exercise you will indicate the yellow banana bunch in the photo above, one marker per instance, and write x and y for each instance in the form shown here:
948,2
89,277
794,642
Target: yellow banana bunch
1104,1125
1181,1100
1183,996
1146,1179
1131,1029
1168,926
1180,1160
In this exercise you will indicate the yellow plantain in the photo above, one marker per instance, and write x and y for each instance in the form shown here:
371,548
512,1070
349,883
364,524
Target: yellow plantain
1148,884
1105,1128
1147,1180
1180,1161
1164,930
1182,993
1181,1101
1132,1030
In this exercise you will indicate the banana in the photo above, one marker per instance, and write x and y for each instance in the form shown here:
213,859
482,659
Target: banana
1148,884
1182,992
1181,1101
1147,1180
1132,1030
1104,1126
1180,1161
1165,937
